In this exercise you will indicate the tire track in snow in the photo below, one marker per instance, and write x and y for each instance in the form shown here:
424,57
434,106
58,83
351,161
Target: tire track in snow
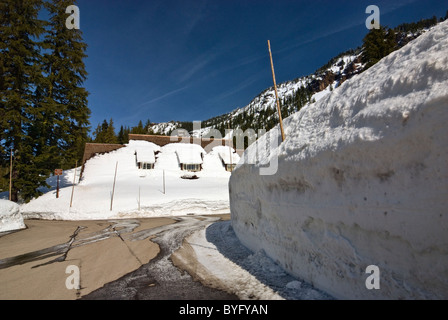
159,279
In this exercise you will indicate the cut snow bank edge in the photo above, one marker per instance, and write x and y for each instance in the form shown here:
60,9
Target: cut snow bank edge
10,217
362,180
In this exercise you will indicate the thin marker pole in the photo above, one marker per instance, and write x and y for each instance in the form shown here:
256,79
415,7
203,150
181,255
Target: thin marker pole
139,198
10,178
276,93
57,189
230,149
113,188
74,180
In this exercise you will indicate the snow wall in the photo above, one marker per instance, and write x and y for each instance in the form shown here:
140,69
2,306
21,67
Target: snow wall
10,217
362,180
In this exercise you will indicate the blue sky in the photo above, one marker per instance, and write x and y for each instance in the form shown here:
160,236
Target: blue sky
194,59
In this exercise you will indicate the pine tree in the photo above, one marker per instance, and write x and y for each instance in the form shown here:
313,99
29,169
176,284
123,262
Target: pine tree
65,96
378,43
110,136
139,129
101,131
127,130
120,136
20,62
97,134
147,127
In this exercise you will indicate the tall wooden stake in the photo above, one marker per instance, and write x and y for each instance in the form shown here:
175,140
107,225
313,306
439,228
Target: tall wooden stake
73,188
230,149
276,94
113,188
57,189
10,178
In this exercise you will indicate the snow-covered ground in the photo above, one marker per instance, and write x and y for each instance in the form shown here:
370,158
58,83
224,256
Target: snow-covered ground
138,193
362,180
10,217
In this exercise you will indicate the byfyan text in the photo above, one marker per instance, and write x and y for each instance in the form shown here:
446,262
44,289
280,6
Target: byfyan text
239,309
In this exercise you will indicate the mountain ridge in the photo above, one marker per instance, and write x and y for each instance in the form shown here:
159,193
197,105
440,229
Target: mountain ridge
261,112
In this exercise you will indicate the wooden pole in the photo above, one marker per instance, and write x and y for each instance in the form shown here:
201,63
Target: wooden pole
276,94
57,189
73,188
10,178
230,149
113,188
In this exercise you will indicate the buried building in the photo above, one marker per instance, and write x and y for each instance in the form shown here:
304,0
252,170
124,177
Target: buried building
145,159
228,157
190,156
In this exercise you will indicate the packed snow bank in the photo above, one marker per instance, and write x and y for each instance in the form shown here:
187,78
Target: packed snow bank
10,217
362,180
241,272
138,193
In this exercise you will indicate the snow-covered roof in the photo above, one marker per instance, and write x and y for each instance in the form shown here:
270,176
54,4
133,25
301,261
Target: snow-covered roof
145,150
224,154
189,153
146,156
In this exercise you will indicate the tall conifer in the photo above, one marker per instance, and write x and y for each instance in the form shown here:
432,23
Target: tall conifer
65,97
20,61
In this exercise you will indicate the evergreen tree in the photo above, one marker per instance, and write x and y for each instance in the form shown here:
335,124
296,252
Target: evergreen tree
147,127
105,133
378,43
20,62
123,135
110,136
97,134
139,129
65,99
120,136
100,133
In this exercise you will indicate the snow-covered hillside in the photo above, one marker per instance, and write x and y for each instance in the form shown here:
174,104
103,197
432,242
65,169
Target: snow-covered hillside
164,128
362,180
136,187
320,84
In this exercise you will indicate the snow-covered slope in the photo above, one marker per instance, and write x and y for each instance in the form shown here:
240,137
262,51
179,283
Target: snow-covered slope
138,193
164,128
362,180
262,110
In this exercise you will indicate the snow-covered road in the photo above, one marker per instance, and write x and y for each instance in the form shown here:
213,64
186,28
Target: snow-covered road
196,258
160,279
210,252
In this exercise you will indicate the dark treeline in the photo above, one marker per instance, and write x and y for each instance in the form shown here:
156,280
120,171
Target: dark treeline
44,113
106,132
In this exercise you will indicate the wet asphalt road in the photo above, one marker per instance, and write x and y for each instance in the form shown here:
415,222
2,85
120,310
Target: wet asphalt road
159,279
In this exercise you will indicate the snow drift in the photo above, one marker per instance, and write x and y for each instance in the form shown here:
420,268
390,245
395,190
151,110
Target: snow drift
10,217
362,180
